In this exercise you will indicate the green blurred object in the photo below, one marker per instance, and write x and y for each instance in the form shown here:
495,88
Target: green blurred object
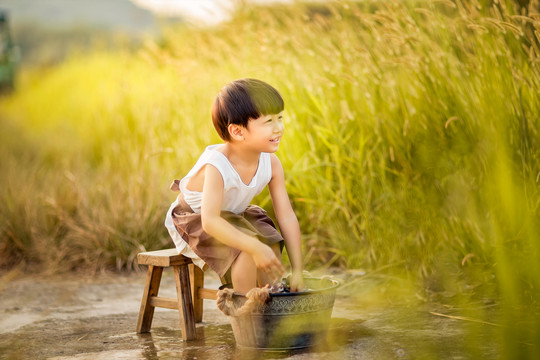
8,55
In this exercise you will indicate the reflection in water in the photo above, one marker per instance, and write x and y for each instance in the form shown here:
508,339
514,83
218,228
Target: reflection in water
213,342
216,342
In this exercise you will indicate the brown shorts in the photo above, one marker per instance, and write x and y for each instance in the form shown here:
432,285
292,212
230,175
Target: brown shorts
218,256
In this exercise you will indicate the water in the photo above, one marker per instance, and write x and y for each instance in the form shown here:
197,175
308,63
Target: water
74,318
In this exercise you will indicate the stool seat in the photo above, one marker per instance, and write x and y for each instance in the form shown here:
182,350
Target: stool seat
189,289
163,258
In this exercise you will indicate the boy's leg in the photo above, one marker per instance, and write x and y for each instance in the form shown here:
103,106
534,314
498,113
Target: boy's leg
262,278
244,273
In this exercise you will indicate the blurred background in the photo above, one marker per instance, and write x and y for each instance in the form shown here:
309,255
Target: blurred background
412,151
48,30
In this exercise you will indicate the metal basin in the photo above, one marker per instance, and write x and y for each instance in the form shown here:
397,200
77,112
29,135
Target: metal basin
287,320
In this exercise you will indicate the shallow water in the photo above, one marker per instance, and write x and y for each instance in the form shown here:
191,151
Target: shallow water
77,318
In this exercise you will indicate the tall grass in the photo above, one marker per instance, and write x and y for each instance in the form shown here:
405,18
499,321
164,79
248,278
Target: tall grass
412,142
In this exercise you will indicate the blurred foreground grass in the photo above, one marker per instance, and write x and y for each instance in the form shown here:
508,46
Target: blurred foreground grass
411,146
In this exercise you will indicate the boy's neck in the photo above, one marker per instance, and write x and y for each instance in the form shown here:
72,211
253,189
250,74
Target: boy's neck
239,155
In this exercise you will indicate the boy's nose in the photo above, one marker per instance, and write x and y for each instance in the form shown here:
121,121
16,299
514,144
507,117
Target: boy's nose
278,127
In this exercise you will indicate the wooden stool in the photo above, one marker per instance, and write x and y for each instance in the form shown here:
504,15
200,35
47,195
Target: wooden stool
189,289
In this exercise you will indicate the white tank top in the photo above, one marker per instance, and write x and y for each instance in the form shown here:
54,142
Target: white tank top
236,195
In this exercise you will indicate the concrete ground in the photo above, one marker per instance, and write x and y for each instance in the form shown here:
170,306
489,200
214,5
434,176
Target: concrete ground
75,317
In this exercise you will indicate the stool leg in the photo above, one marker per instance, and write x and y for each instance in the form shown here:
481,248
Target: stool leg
196,276
185,304
151,288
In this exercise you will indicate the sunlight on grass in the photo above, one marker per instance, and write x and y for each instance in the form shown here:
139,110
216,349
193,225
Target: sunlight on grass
412,145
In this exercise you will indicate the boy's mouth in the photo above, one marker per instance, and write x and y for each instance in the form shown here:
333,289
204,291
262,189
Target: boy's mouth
276,139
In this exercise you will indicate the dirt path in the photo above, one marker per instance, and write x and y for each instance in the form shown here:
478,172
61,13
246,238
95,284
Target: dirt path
74,318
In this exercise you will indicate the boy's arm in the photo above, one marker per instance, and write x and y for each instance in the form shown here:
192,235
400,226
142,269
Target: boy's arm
219,228
288,223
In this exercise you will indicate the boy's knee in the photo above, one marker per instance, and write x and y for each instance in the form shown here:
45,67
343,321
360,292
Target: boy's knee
244,259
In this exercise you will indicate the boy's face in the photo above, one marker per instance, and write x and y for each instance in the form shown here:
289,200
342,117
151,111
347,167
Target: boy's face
265,132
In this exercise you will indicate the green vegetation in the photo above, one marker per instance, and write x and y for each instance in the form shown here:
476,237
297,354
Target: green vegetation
412,145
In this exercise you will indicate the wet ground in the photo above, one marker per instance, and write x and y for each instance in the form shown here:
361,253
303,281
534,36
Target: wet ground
94,318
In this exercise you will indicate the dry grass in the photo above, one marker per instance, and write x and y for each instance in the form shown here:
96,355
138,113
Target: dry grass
412,142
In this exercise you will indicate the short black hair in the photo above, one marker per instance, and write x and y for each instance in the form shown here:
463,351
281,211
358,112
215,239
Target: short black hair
241,100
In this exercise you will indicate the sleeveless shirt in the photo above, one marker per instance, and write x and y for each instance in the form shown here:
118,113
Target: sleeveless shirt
236,194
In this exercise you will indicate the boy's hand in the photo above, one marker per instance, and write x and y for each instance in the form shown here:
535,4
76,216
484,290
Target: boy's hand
296,281
266,260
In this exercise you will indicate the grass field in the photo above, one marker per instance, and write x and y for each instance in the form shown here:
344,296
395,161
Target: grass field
411,148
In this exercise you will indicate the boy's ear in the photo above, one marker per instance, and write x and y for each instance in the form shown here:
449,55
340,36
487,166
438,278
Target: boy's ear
236,131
